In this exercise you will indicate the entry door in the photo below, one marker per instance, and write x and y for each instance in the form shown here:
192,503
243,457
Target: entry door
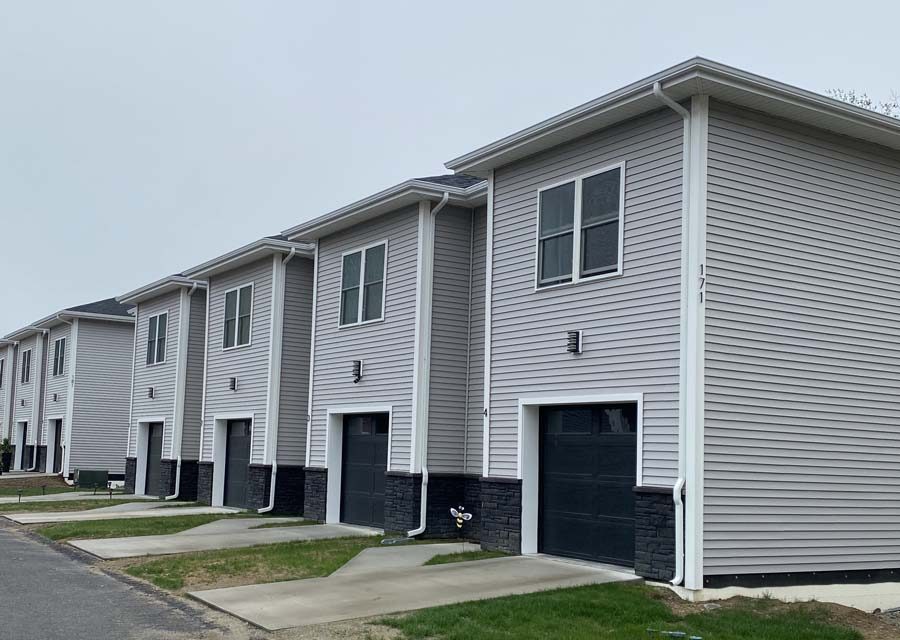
22,444
364,462
57,447
587,472
237,461
154,458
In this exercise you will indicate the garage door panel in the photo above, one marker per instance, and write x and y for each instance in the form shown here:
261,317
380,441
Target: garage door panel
587,472
364,463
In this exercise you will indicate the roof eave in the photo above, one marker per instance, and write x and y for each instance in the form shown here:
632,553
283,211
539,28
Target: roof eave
391,199
696,76
158,288
249,253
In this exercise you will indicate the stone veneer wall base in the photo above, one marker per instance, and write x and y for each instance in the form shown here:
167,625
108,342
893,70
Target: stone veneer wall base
259,482
204,482
315,493
289,490
402,497
654,533
501,508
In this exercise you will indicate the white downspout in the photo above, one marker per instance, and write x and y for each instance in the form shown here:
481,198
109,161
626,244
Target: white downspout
685,206
177,437
423,420
271,504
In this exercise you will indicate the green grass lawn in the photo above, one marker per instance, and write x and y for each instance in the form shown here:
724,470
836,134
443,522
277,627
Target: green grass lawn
31,491
62,505
465,556
253,565
125,527
616,612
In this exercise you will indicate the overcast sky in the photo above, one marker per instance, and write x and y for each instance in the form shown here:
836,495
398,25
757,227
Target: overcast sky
141,138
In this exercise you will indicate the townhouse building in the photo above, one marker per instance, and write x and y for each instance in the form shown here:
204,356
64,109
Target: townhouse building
256,375
394,405
71,390
166,387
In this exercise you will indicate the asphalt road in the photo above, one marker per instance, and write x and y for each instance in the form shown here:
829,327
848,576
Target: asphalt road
48,594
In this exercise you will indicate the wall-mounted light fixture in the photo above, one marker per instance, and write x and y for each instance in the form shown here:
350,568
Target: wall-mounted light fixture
574,341
150,392
357,371
232,384
55,397
22,402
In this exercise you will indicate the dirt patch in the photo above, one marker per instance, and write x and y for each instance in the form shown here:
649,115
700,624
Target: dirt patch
31,482
871,626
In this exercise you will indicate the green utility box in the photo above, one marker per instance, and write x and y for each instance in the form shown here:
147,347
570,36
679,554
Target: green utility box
90,478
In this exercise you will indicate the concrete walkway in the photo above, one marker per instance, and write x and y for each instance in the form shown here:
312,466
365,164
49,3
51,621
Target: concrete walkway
297,603
401,556
232,533
73,495
116,512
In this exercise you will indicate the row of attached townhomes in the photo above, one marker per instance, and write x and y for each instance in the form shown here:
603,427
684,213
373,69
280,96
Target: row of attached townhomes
660,331
64,390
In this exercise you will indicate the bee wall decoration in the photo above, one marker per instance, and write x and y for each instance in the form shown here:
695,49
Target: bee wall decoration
460,515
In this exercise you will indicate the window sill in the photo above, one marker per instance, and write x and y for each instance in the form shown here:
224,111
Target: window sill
360,324
155,364
602,276
236,347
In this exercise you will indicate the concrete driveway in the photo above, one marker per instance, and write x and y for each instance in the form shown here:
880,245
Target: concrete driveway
116,512
73,495
222,534
348,595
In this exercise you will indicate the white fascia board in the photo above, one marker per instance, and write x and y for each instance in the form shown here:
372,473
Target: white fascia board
696,76
246,254
401,195
158,288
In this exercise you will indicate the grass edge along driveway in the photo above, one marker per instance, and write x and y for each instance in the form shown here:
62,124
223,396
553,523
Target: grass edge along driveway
62,505
124,527
620,612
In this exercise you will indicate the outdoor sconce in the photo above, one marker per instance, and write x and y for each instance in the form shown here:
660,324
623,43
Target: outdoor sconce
573,341
55,397
357,371
22,402
232,384
150,392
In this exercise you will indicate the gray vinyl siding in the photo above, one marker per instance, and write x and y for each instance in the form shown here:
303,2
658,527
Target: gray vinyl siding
386,348
26,391
249,364
159,376
102,396
43,373
55,409
7,355
449,340
475,415
297,334
802,432
630,323
193,386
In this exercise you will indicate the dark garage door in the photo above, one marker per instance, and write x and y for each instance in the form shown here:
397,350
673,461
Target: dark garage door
587,471
237,461
154,458
364,462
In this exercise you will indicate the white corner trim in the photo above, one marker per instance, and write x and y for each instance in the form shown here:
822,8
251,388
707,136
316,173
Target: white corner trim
422,339
137,311
694,332
70,399
205,374
312,351
181,356
276,339
488,290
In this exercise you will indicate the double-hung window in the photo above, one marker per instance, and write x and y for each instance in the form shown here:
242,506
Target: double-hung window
362,285
156,338
238,311
26,366
2,370
59,356
580,228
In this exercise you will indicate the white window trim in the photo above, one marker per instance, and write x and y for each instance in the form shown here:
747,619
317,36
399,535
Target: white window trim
237,316
155,341
63,368
25,375
576,230
362,270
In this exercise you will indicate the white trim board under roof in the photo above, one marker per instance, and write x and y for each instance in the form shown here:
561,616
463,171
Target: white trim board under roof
249,253
696,76
401,195
65,316
160,287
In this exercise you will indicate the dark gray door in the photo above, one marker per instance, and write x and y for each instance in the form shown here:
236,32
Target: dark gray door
364,462
57,447
587,471
237,461
154,459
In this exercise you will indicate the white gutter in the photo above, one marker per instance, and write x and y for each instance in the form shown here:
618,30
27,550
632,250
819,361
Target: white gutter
685,207
271,504
179,432
422,417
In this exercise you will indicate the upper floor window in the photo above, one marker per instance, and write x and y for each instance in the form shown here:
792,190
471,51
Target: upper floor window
26,366
362,285
59,357
2,371
580,228
238,311
156,338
